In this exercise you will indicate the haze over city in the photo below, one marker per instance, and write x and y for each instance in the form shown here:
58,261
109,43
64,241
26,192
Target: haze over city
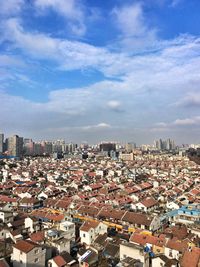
100,70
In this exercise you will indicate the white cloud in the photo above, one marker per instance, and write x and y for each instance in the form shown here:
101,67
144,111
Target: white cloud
100,126
161,124
186,122
142,82
69,55
11,7
130,20
114,105
175,62
175,3
191,100
136,34
10,61
72,10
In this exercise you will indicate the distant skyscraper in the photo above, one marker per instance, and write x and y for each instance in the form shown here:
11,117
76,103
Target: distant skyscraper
15,146
129,147
164,144
159,144
1,143
107,147
28,147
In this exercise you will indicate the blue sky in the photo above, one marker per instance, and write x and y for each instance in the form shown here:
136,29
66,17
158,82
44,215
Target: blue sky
100,70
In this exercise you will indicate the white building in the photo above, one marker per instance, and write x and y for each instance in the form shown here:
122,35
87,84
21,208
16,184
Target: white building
134,251
6,216
69,230
90,230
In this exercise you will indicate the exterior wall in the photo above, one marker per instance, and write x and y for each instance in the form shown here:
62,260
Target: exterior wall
127,157
87,237
101,229
90,236
62,246
155,224
171,253
157,262
51,263
140,206
69,229
29,224
158,250
172,205
99,173
3,233
6,216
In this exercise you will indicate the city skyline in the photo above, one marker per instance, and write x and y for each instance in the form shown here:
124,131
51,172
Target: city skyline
83,70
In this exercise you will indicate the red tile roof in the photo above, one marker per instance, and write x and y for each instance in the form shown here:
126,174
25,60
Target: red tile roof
25,245
88,225
37,237
60,262
191,258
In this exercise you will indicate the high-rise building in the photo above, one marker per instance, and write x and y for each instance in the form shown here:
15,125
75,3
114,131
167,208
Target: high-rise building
1,143
129,147
28,147
15,146
164,144
47,147
107,147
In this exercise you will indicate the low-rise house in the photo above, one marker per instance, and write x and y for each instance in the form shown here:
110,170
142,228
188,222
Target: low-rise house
111,251
135,252
29,204
100,242
175,248
90,230
62,260
6,216
57,240
38,237
142,221
31,224
69,230
148,204
162,260
28,254
88,258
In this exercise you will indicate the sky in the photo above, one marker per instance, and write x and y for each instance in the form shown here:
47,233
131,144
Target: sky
93,70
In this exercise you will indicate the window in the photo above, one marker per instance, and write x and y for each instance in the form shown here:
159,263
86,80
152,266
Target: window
36,260
83,235
36,251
